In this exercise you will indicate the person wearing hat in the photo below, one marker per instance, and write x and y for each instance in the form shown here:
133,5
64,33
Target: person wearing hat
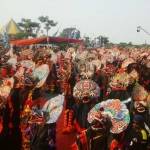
138,138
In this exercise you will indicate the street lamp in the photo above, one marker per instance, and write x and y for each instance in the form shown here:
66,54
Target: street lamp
139,28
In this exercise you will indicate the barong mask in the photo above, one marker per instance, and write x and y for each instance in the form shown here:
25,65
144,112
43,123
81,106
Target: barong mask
140,106
117,112
86,90
119,81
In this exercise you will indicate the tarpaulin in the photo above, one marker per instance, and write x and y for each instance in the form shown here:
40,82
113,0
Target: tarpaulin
26,42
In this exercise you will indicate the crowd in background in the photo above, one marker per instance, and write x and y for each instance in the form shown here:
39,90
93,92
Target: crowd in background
34,79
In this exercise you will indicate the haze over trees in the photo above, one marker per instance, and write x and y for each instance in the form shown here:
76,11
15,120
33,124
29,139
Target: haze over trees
43,25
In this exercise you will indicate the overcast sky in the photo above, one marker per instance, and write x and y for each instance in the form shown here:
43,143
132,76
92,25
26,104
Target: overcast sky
116,19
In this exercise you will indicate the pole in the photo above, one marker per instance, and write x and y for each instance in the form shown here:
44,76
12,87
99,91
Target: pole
140,28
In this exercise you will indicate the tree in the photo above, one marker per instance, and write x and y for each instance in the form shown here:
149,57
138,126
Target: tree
130,44
47,23
102,41
70,33
123,45
87,41
126,45
105,41
110,45
28,27
21,35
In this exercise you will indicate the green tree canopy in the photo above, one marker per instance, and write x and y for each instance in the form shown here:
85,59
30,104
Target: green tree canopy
47,23
29,27
87,41
70,33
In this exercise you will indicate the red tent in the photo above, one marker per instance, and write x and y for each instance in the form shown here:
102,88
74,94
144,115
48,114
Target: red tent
26,42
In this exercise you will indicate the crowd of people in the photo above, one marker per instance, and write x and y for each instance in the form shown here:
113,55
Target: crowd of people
104,94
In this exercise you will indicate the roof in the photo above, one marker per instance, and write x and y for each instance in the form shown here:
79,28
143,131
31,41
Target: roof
1,29
12,28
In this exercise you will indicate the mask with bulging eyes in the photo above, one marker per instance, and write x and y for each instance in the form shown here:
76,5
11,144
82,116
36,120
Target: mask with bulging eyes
86,99
140,108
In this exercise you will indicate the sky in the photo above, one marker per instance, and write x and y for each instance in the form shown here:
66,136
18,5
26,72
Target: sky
116,19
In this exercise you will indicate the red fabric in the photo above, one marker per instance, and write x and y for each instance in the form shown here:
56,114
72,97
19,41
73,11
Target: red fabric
4,72
66,40
1,124
12,72
119,89
26,42
116,145
83,140
147,82
113,145
102,87
74,147
64,141
40,101
29,103
78,128
9,100
121,70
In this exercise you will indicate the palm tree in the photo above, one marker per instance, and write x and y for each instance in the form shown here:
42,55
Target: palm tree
29,27
47,23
